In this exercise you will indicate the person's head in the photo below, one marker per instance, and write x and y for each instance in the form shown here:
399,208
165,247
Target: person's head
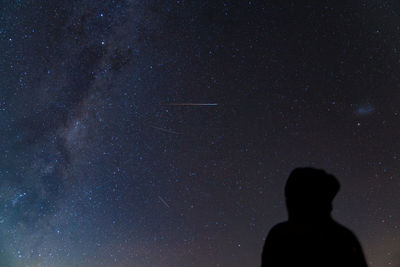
309,193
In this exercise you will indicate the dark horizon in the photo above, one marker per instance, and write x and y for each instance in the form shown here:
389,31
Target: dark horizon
161,133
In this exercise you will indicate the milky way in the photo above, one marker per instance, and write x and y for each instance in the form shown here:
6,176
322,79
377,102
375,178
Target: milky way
161,133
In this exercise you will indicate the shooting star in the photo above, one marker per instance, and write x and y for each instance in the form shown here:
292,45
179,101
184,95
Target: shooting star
164,130
189,104
163,201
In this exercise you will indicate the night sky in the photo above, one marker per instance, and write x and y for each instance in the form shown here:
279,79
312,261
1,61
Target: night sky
104,161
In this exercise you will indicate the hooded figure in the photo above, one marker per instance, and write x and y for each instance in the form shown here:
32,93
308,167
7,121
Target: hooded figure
311,237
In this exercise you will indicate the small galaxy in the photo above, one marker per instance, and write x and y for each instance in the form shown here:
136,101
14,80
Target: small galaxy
364,109
161,133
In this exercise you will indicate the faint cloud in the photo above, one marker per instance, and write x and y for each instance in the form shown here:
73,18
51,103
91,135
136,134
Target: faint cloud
364,109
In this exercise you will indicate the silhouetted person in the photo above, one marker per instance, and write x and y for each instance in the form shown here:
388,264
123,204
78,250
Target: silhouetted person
311,237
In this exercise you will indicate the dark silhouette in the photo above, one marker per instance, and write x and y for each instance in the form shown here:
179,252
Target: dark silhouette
311,237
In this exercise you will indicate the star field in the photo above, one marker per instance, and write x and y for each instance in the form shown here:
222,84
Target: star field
106,158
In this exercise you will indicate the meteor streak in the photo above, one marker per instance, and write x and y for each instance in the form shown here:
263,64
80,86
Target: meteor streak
189,104
163,201
164,130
